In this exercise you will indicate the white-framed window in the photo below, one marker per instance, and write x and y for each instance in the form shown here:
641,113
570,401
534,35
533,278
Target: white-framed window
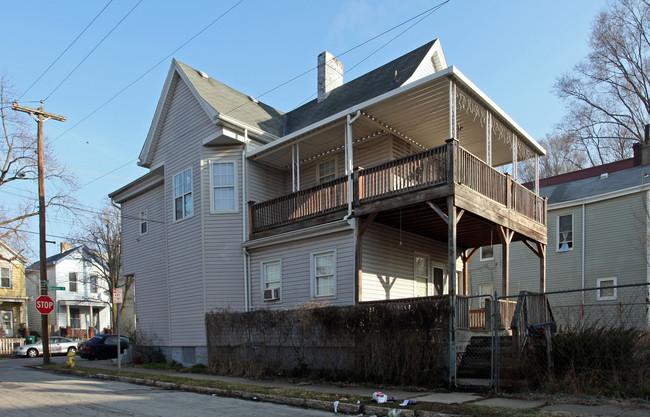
606,293
183,195
487,253
327,171
271,280
564,232
323,271
223,186
93,284
144,222
72,282
422,267
5,277
75,318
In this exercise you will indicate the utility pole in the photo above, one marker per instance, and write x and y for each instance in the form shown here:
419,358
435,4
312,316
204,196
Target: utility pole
41,116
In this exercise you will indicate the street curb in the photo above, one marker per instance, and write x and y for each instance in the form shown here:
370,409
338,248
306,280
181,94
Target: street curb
343,408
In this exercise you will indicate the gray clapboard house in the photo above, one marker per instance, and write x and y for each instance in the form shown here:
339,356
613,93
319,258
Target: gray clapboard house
381,188
598,235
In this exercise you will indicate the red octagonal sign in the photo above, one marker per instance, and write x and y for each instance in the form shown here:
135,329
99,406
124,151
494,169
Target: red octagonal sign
44,304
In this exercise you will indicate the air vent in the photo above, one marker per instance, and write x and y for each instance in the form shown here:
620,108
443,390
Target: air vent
272,294
604,175
203,75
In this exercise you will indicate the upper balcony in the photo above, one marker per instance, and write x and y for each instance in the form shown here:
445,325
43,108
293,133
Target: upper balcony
406,185
432,175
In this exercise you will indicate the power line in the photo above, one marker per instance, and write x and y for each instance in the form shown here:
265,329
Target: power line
149,70
108,173
65,50
427,12
93,50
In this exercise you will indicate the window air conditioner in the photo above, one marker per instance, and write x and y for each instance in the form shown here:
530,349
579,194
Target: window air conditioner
272,294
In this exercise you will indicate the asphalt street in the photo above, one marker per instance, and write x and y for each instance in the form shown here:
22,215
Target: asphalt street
29,392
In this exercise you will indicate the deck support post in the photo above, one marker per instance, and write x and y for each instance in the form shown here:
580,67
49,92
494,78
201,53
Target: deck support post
466,256
540,250
505,235
451,273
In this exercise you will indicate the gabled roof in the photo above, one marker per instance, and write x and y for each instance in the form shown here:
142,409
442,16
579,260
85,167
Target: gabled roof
378,81
13,252
592,182
217,100
55,259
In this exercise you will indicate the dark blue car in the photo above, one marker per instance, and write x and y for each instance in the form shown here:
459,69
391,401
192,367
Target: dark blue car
102,346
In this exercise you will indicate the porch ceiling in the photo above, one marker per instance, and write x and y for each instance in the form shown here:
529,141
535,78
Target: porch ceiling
472,230
419,114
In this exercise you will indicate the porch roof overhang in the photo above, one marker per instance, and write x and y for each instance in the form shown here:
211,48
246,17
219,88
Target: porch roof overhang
83,303
418,112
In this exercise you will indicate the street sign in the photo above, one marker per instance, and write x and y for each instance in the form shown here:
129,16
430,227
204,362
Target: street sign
117,295
44,304
56,288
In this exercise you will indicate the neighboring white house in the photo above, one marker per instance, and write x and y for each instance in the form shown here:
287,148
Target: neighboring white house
81,304
598,235
375,190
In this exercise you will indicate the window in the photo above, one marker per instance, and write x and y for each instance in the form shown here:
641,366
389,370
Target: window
144,223
564,232
224,189
487,253
606,293
93,283
72,281
183,195
5,277
422,277
75,320
324,274
438,281
327,171
272,276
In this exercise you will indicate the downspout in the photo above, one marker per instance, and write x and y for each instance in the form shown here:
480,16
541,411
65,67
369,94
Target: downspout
583,260
349,161
245,220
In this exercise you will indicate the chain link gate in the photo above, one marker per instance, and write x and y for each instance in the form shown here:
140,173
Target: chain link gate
476,342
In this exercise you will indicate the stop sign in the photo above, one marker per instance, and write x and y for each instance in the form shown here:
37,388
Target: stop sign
44,304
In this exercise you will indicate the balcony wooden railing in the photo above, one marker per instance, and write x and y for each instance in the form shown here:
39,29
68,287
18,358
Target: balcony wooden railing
437,166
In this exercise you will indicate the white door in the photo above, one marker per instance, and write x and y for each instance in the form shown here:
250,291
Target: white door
7,323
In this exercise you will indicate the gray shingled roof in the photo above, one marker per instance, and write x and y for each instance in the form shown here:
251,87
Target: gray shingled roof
365,87
594,186
228,101
52,260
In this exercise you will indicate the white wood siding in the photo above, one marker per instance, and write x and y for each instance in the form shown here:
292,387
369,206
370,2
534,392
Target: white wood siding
296,274
145,256
388,266
265,183
223,259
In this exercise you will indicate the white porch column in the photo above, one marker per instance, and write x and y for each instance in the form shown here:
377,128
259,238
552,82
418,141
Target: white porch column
67,315
453,122
488,137
295,167
349,159
515,143
537,174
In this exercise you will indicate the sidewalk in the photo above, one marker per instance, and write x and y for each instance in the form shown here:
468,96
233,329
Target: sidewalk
544,406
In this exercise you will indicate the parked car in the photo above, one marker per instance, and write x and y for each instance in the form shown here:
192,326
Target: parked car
58,346
102,347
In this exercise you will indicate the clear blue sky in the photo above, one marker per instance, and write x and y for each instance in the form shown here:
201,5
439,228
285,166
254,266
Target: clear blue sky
512,50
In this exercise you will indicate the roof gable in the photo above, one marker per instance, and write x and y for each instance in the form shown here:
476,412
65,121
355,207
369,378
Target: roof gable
414,65
217,100
59,257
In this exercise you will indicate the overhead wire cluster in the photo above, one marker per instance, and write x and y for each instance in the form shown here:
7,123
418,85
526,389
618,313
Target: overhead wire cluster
419,18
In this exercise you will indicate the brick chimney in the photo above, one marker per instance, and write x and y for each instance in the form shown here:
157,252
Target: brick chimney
642,149
65,246
330,74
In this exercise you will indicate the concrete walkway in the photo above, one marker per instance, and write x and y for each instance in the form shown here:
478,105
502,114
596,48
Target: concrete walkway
546,406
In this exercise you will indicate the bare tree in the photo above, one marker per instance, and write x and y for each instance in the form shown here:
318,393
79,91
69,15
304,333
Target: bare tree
18,166
608,93
103,238
562,156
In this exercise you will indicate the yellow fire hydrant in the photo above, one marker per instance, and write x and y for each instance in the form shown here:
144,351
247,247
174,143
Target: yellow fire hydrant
71,358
